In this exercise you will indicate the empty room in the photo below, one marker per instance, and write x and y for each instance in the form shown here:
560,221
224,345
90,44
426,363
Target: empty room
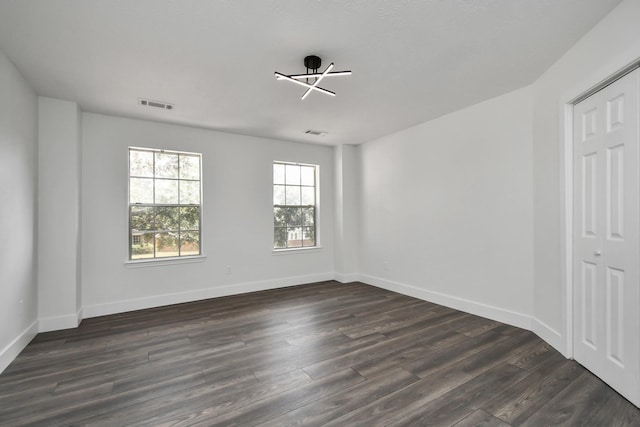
320,212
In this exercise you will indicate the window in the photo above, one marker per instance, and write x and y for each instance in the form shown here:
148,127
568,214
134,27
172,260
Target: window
294,205
164,204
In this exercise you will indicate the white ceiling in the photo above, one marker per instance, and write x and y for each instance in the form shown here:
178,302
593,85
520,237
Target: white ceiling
412,61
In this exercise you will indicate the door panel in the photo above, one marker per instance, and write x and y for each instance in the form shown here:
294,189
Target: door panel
615,315
588,297
607,235
615,192
589,194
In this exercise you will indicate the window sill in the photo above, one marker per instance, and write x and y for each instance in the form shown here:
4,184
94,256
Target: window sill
156,262
290,251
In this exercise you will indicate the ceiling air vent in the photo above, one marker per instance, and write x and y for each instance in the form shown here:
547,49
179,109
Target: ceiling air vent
156,104
315,132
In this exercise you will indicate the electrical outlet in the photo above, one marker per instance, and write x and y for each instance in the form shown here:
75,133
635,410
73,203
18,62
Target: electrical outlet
385,265
228,269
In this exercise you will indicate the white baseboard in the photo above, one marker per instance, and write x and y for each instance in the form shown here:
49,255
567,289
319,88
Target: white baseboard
347,277
483,310
11,351
550,335
57,323
95,310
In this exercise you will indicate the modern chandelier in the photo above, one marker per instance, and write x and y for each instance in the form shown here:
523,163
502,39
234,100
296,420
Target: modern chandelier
313,63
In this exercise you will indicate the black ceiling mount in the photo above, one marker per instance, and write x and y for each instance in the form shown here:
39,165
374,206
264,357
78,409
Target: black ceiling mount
312,62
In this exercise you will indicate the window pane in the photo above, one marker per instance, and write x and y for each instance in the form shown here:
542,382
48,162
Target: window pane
308,234
278,195
160,181
141,163
279,217
278,173
293,216
166,245
293,174
166,191
166,165
190,243
190,218
280,238
294,237
308,195
308,175
143,246
142,218
189,167
294,187
167,218
189,192
140,190
308,216
293,196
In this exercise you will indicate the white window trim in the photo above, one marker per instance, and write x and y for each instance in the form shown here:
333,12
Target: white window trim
186,259
157,262
302,249
290,251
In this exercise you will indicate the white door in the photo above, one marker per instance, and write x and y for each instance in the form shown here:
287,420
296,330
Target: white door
606,232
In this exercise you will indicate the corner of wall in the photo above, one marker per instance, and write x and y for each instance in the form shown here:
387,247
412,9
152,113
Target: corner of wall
19,185
13,349
550,335
58,260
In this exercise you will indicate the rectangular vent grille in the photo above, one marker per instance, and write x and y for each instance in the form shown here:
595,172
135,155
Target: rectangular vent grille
156,104
315,132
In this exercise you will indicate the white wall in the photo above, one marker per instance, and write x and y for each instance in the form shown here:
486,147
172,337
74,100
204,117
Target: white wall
18,192
613,43
58,214
237,217
347,208
447,210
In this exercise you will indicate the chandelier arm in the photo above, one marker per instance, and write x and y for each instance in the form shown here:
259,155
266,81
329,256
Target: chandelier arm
319,89
317,82
304,76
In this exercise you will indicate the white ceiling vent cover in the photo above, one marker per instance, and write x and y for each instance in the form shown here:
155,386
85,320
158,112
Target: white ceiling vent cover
156,104
315,132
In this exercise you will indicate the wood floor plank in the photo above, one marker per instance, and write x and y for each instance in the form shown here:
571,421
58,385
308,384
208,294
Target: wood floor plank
409,398
536,356
224,394
452,353
331,407
456,404
406,355
320,354
618,412
274,406
375,351
517,403
479,418
575,405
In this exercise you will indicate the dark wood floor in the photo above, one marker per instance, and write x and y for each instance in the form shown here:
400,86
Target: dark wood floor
321,354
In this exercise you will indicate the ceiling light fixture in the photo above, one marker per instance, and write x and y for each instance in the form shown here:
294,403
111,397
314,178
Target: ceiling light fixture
312,63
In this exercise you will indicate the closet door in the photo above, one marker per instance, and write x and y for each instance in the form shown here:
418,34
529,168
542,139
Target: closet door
606,234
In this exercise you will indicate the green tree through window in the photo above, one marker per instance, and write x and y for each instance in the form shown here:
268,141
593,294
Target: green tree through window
164,204
294,205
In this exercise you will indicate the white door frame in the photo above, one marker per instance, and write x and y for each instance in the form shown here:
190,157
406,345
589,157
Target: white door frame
567,102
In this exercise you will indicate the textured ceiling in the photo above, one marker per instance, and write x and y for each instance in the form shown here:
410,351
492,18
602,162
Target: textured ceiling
412,61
